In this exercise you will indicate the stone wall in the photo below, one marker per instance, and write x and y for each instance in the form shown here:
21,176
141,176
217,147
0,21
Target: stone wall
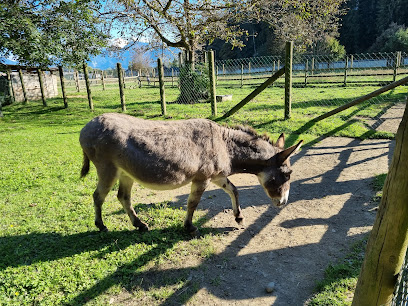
32,85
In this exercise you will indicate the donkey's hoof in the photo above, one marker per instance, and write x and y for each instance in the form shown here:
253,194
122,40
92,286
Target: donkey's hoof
143,228
240,220
191,229
195,234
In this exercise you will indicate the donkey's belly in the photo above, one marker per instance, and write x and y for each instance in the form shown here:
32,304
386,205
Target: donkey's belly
164,182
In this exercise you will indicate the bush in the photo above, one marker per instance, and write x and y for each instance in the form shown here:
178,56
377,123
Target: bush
194,84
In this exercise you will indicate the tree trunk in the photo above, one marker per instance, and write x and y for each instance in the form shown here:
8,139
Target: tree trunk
388,240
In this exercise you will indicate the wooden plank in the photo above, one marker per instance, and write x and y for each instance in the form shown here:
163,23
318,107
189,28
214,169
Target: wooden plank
254,93
362,99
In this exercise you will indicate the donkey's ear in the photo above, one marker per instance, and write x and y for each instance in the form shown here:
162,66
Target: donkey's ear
280,143
284,155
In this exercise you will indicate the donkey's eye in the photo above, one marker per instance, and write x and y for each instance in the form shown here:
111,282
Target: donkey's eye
286,174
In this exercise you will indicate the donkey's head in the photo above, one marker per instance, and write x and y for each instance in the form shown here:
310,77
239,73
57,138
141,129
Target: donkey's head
275,177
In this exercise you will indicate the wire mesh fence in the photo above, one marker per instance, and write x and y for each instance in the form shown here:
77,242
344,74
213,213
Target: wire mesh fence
320,83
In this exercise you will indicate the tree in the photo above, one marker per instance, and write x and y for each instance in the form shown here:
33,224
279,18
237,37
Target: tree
388,240
395,38
43,33
366,20
330,46
181,24
140,60
304,22
307,23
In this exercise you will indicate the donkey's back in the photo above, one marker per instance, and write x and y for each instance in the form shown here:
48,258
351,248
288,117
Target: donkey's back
159,154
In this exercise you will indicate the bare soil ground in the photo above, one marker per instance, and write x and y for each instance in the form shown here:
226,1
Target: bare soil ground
330,206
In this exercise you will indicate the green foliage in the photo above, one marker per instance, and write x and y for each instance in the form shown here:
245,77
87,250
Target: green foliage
50,32
366,21
394,38
194,84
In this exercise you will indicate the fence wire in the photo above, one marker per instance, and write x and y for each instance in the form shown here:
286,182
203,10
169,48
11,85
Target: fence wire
400,297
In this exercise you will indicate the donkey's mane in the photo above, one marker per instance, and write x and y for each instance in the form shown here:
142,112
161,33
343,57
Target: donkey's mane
252,132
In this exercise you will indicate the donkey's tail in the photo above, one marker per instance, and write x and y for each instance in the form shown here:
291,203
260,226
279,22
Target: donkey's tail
85,165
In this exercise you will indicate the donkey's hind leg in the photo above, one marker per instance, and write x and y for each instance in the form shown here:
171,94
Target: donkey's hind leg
197,190
232,191
107,176
124,196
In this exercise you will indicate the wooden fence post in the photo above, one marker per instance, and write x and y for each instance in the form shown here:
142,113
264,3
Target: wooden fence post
121,89
88,86
213,97
41,80
123,77
64,95
160,69
306,68
242,75
76,77
216,75
397,64
20,73
10,85
288,78
154,77
345,72
103,79
313,65
387,244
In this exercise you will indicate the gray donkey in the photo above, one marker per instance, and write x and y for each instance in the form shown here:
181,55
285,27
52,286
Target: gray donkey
169,154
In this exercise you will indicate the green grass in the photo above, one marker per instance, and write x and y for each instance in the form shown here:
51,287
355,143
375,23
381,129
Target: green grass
337,287
50,251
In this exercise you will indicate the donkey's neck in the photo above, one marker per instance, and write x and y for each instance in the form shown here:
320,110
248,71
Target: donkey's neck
248,153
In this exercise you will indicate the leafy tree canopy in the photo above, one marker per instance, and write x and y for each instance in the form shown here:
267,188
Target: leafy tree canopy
395,38
185,24
306,22
49,32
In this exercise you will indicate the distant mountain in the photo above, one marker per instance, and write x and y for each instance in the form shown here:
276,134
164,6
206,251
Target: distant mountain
106,61
7,61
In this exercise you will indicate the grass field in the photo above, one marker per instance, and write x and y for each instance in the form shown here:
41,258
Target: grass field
50,252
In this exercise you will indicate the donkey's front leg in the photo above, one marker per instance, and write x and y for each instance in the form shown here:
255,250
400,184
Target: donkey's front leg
232,191
197,190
